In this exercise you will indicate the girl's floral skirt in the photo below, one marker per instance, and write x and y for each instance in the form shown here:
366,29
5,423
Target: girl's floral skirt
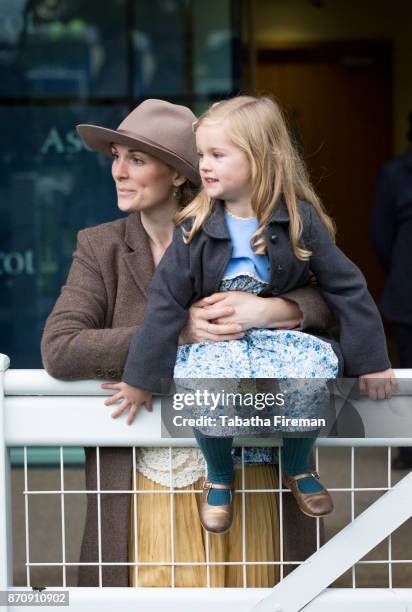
296,367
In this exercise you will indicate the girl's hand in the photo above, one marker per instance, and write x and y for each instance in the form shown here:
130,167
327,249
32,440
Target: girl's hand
378,385
200,328
132,397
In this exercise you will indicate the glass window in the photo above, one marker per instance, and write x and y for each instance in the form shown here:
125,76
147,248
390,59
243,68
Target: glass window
51,187
186,48
55,48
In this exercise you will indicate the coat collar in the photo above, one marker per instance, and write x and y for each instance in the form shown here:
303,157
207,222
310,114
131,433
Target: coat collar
140,260
215,225
135,235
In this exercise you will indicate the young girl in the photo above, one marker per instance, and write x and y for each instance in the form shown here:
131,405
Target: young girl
257,225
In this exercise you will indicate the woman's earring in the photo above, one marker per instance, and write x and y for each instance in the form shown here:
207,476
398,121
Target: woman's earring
176,192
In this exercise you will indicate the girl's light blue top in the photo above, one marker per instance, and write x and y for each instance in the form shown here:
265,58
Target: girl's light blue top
244,260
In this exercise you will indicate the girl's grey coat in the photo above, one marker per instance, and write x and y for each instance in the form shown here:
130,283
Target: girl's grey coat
189,272
87,335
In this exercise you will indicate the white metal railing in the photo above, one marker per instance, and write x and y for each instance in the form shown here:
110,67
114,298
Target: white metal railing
38,410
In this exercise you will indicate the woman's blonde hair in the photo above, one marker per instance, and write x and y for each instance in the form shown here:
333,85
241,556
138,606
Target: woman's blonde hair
257,127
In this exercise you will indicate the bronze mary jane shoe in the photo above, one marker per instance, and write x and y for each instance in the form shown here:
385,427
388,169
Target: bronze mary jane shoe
216,519
311,504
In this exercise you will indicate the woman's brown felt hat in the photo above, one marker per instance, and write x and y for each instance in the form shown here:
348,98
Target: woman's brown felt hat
157,127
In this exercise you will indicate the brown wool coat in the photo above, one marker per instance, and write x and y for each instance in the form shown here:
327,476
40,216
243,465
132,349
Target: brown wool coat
87,336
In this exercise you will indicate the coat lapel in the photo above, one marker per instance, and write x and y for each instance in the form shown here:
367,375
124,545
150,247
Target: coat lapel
140,260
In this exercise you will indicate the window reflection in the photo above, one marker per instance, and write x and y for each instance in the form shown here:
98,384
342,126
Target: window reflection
64,62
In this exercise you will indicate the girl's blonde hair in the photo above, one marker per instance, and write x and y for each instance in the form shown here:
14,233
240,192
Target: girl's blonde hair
257,127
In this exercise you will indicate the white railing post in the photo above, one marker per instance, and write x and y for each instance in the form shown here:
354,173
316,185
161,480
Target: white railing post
6,556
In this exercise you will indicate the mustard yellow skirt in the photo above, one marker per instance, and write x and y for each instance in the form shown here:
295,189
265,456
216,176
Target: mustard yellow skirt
154,541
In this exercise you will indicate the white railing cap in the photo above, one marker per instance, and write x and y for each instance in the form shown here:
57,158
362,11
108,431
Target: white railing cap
4,362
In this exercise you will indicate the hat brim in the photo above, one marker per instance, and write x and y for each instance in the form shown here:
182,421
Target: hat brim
100,139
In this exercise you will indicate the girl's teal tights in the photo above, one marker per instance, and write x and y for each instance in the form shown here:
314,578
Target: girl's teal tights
218,456
295,457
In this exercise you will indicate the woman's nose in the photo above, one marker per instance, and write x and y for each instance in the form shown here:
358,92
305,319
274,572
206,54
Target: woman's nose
120,168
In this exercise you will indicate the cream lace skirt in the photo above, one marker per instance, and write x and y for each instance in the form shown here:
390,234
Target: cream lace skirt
154,535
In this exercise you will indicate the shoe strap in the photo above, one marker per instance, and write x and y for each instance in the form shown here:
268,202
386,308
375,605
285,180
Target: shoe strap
304,475
214,485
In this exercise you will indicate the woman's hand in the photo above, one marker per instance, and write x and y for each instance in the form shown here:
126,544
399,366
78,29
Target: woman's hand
200,328
132,397
249,310
378,385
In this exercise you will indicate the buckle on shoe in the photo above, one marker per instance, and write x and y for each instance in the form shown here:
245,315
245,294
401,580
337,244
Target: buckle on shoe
316,474
207,484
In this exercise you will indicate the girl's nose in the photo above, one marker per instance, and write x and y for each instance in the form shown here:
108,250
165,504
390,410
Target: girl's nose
204,163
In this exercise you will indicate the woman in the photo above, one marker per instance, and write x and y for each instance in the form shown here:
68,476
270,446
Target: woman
87,335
